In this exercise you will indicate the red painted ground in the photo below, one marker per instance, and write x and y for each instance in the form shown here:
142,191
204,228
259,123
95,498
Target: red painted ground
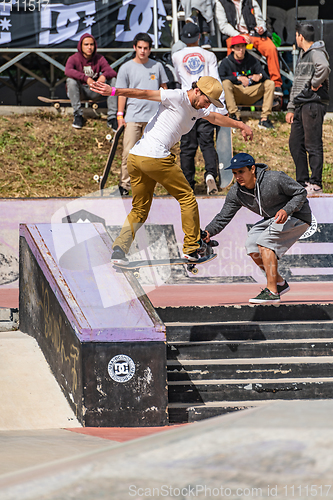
236,294
9,297
122,434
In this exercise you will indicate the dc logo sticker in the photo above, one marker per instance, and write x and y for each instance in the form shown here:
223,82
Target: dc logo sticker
121,368
194,63
311,230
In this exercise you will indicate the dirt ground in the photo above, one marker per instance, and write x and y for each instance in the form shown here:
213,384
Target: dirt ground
43,156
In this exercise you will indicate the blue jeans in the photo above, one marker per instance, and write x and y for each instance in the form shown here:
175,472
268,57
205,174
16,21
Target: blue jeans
78,91
306,141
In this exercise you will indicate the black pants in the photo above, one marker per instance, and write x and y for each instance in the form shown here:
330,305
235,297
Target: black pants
306,139
202,134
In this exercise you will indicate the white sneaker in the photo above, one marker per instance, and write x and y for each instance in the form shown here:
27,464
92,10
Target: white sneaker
211,185
313,189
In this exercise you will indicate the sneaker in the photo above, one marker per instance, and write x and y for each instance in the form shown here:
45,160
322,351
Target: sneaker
205,42
119,191
203,251
211,185
112,123
118,255
266,297
283,288
315,189
192,19
78,121
278,92
266,124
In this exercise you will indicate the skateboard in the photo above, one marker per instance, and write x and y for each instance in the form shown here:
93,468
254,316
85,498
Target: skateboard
113,149
58,102
136,265
224,153
277,104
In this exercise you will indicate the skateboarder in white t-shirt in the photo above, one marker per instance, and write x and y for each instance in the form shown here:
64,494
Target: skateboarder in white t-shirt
150,160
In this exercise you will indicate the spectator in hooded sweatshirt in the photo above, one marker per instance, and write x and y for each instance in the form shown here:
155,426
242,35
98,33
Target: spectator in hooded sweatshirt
82,69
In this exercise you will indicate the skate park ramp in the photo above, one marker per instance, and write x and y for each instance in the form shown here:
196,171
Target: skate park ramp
30,395
279,450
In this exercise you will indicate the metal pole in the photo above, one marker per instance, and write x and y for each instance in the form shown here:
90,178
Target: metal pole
296,11
155,25
264,9
175,30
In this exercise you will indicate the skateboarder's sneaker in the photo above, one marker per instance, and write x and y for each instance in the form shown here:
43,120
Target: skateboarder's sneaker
211,185
266,124
266,297
203,251
118,256
283,288
78,121
112,123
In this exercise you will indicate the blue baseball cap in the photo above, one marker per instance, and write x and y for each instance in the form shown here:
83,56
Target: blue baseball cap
241,160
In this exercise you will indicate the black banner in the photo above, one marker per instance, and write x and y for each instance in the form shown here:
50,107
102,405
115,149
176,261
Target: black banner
114,23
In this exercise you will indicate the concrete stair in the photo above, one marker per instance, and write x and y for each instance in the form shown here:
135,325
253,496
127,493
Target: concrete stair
220,367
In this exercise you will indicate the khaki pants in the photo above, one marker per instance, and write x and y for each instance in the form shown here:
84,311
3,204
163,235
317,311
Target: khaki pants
238,94
132,133
145,172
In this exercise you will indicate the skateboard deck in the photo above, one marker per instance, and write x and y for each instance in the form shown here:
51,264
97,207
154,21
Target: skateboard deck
58,102
109,161
224,153
138,264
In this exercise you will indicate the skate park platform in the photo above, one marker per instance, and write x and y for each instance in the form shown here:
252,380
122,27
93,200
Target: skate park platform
279,359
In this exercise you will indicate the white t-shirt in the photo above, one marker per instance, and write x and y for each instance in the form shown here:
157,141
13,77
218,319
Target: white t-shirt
174,118
191,63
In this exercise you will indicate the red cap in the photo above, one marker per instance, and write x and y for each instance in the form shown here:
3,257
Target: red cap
237,39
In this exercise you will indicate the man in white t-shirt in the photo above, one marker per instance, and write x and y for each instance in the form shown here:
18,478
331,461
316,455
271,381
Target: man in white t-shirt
139,73
190,64
150,160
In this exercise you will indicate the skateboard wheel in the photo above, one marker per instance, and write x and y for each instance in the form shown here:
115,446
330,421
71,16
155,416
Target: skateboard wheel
194,270
95,105
136,274
108,137
97,178
56,105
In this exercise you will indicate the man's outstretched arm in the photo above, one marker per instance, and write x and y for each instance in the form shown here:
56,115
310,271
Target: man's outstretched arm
106,90
225,121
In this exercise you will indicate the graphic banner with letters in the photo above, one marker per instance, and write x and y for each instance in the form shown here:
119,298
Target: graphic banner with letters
47,23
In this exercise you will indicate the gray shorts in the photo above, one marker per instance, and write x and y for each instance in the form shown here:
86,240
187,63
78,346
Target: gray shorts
277,237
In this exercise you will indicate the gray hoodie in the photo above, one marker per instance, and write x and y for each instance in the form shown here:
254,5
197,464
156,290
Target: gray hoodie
312,69
273,191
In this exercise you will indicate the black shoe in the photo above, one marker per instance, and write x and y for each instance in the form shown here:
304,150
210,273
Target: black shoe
192,19
119,191
112,123
278,92
266,124
283,288
118,255
203,251
78,121
234,117
123,191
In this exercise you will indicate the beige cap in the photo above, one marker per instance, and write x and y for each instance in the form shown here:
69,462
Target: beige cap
212,88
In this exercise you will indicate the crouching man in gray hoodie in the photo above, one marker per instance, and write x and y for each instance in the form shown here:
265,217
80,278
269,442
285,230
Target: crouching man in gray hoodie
286,213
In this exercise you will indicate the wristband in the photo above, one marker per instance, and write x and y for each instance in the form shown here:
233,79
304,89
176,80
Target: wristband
120,113
113,91
120,117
